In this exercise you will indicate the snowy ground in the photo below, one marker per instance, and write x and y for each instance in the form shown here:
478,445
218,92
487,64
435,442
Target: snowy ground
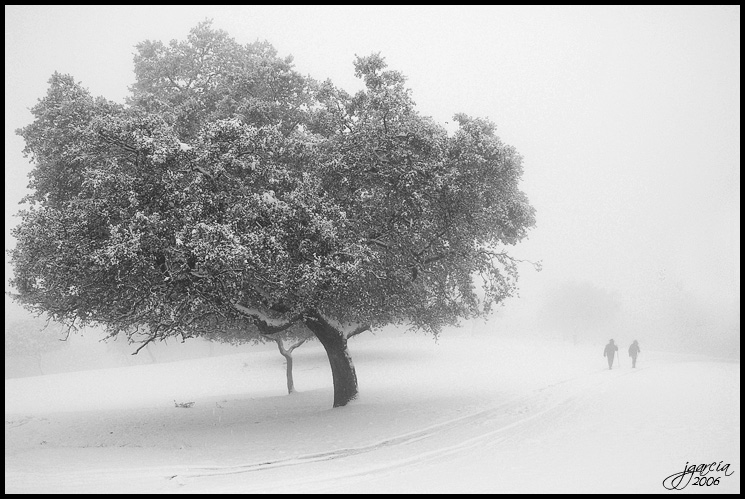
468,414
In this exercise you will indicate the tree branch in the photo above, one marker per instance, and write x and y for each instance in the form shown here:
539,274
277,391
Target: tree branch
174,83
359,330
116,142
263,323
377,242
279,342
537,265
438,257
429,245
293,347
149,340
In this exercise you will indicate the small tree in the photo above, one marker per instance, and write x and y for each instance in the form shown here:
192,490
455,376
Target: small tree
295,336
287,354
231,191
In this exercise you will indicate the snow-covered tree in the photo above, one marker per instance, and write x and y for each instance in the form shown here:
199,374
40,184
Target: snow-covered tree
232,192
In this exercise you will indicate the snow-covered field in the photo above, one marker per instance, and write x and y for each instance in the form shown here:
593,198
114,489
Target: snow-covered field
469,414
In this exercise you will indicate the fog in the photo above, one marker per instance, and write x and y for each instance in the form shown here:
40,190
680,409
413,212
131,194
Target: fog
628,119
469,414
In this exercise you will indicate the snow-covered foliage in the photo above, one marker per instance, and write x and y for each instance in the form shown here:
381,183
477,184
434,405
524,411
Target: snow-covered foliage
204,205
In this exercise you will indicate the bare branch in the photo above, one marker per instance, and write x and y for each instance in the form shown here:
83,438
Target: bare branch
537,265
149,340
279,342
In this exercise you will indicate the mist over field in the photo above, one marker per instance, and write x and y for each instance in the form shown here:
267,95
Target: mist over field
471,413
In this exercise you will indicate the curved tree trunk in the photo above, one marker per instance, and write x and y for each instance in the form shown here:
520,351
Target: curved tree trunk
342,369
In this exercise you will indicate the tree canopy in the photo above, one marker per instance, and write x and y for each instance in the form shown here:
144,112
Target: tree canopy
231,192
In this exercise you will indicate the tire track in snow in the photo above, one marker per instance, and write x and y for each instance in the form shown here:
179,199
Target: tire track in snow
555,405
402,439
562,407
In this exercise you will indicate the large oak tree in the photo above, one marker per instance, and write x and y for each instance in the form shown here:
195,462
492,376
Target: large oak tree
232,192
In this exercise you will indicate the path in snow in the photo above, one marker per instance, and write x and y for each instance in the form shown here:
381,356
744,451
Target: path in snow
582,436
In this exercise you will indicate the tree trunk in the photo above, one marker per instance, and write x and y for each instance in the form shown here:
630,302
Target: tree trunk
290,382
342,369
287,354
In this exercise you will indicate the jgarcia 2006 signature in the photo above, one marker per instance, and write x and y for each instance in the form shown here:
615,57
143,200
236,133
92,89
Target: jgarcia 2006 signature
679,481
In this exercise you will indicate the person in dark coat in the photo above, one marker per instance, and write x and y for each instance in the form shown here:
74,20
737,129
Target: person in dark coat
610,351
633,352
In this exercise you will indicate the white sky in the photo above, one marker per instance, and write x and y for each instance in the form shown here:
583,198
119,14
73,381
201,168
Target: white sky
628,117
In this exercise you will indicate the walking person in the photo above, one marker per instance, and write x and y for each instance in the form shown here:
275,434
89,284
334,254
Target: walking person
609,352
633,352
